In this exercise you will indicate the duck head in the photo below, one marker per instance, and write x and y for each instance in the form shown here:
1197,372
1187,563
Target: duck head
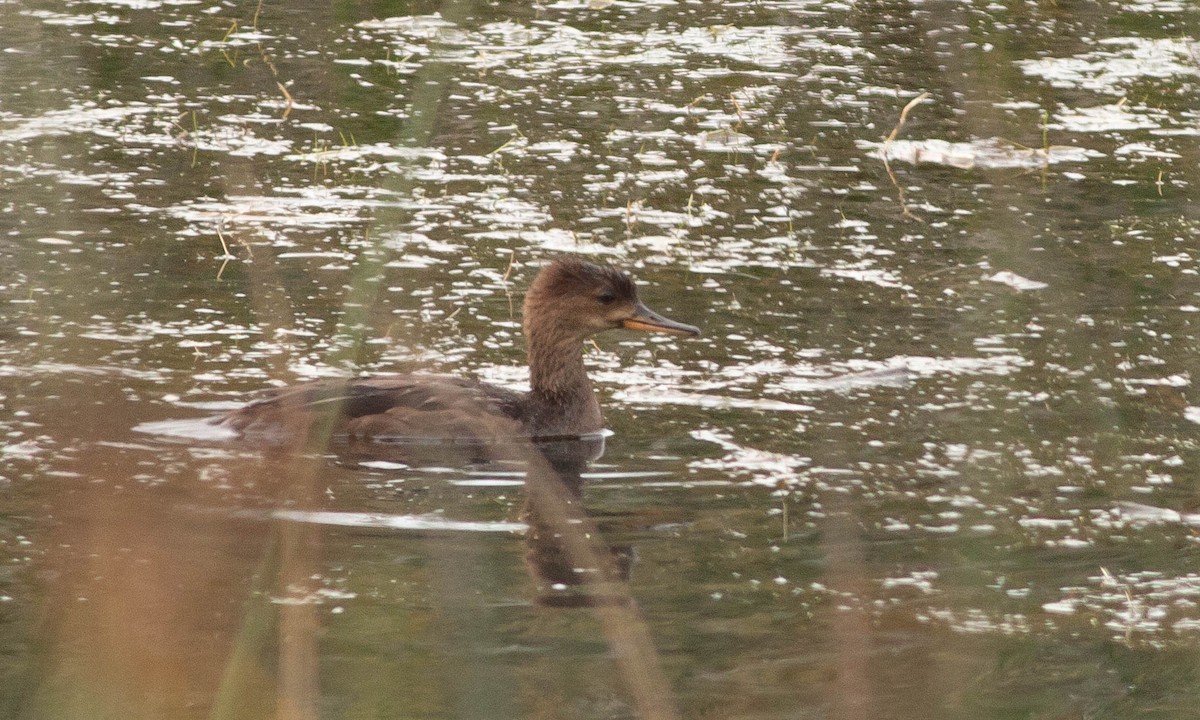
571,299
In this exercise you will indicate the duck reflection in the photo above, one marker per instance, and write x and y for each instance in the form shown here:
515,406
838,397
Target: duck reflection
560,577
563,571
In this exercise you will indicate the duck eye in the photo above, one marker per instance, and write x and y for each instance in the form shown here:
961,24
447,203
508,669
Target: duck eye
607,298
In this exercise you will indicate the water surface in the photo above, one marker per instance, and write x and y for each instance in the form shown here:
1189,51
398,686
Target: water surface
934,456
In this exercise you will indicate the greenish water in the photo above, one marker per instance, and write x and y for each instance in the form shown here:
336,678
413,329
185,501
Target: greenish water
934,457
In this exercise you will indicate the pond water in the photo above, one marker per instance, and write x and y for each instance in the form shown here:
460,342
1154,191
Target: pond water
935,455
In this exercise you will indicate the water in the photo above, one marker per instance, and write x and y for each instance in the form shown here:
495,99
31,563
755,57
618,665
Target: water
934,456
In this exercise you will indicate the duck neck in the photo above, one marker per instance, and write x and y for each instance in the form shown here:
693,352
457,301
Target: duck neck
561,395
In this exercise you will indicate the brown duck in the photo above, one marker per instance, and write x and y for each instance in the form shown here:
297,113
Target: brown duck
569,301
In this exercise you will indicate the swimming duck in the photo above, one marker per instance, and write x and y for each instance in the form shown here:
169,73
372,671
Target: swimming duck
569,301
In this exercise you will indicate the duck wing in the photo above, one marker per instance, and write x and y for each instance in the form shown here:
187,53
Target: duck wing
400,406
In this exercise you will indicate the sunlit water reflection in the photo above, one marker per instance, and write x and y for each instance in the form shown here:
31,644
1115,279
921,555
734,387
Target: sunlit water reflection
935,447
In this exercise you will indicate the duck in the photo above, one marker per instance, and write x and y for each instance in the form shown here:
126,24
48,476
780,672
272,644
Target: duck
568,302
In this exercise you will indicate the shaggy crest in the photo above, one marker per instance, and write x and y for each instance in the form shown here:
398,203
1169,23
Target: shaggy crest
566,276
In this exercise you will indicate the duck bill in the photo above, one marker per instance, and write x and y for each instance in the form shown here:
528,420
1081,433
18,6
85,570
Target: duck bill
647,320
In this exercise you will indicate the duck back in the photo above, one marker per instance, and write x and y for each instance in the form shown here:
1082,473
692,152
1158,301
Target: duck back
435,407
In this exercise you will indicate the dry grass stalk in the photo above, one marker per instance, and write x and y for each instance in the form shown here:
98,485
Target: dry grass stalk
887,143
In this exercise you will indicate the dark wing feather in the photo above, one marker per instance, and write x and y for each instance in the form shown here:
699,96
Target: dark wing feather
420,406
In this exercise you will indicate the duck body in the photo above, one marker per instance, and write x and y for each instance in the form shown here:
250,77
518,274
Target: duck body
569,301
